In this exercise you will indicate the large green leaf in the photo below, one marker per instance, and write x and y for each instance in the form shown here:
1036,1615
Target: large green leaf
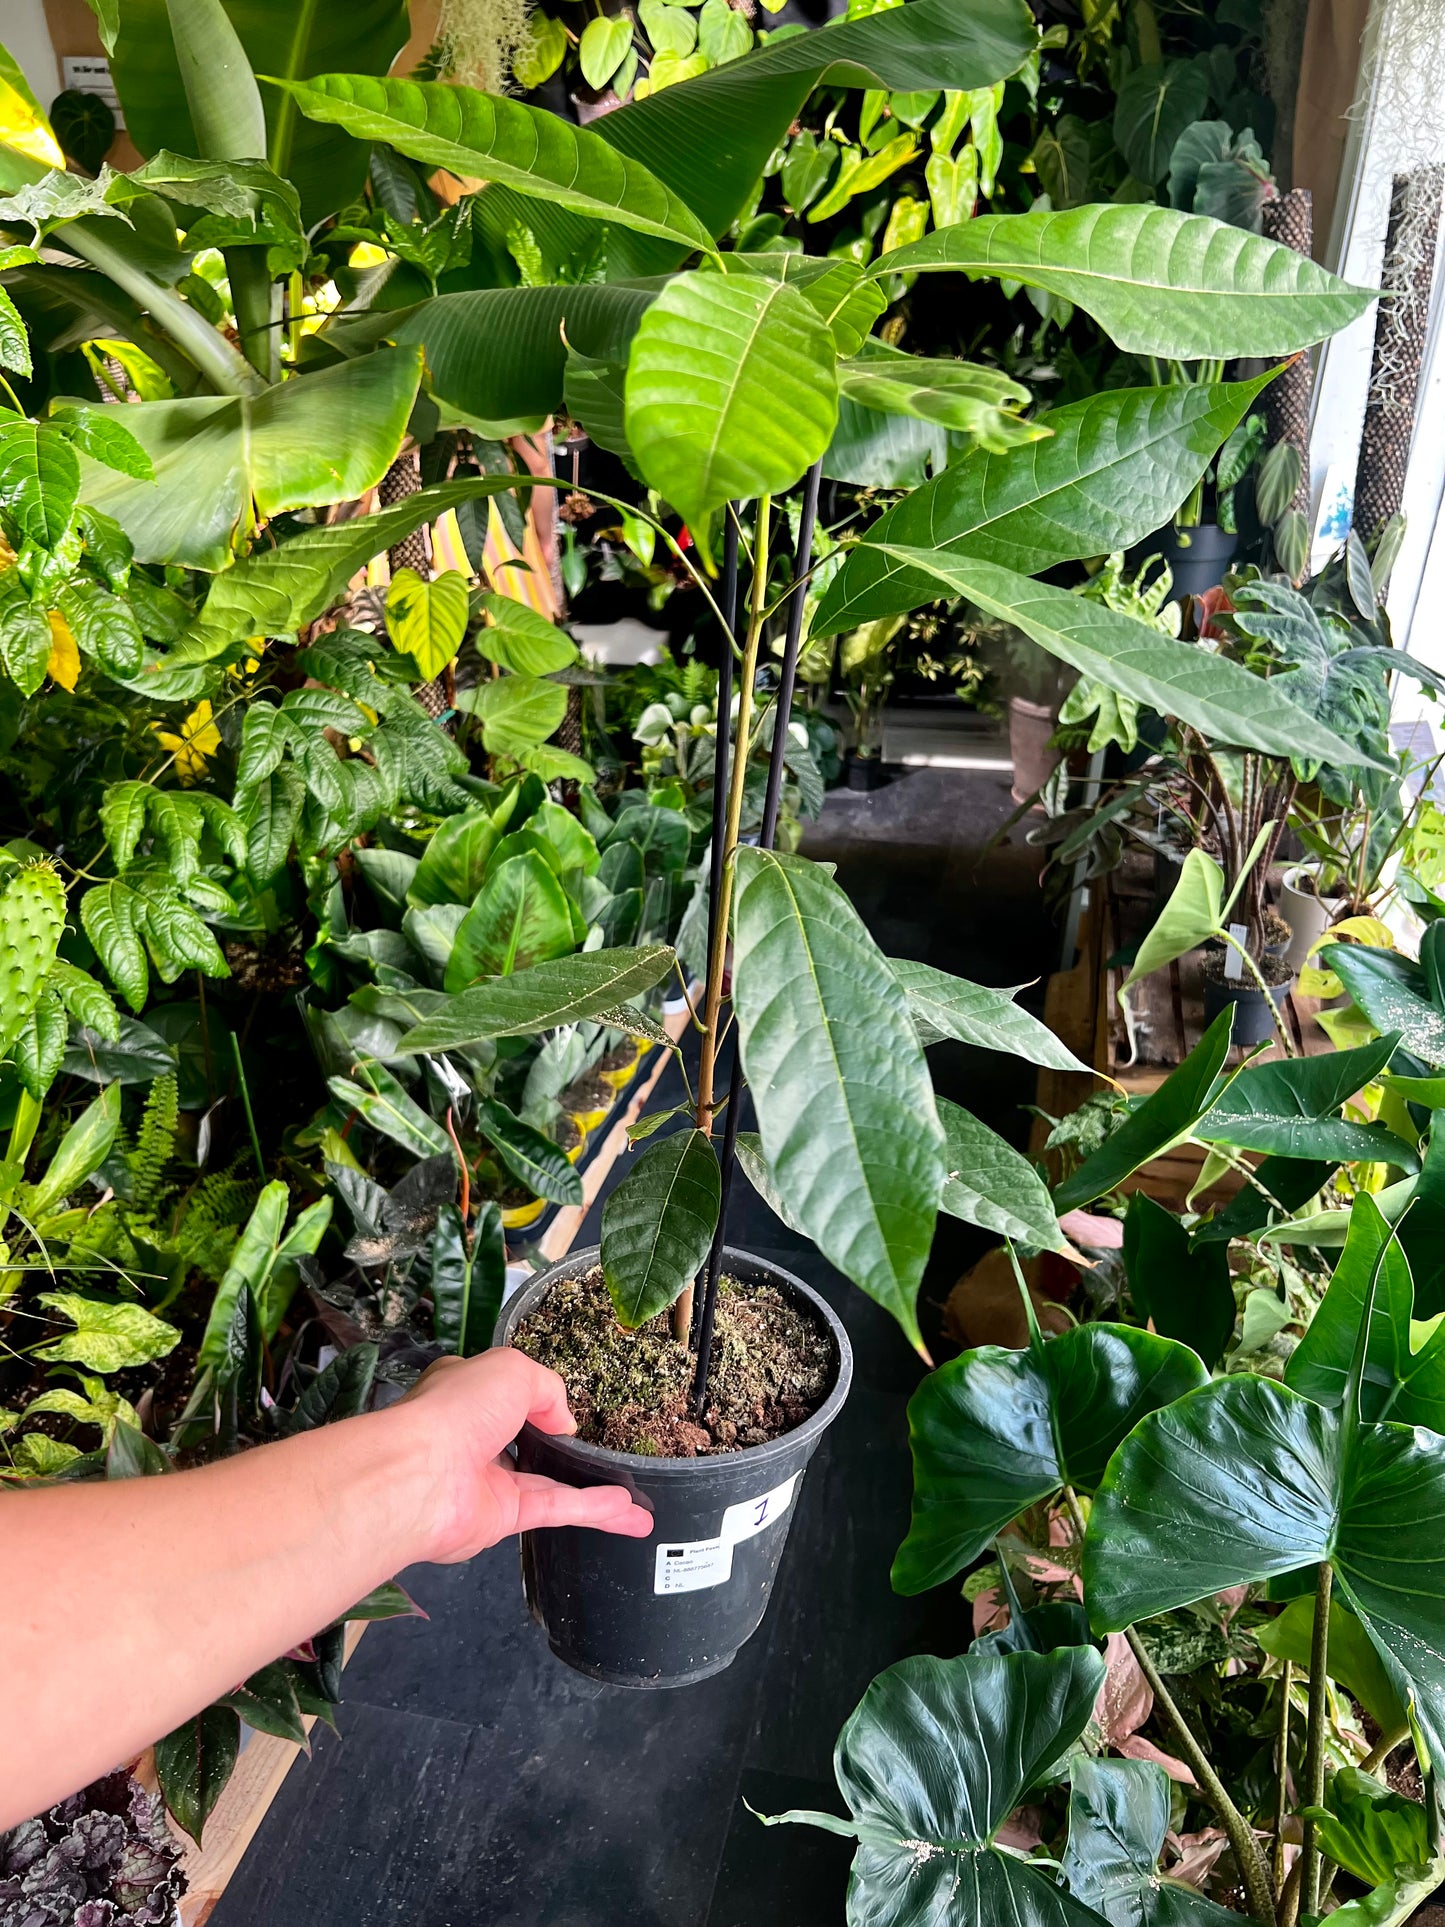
1352,1660
454,862
279,37
1196,909
516,712
532,1159
936,1757
426,618
1183,1290
990,1184
1155,104
1393,993
224,462
995,1431
944,1006
1212,693
1116,466
844,1103
520,918
1118,1817
541,998
525,148
658,1225
732,390
1289,1108
1165,1118
517,638
1158,281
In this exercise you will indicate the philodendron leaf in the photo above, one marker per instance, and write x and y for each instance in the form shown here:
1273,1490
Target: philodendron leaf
658,1225
517,638
1193,912
1245,1481
516,712
1165,1118
1158,281
1118,1817
1393,993
391,1113
844,1103
990,1184
944,1006
527,149
467,1279
1215,695
936,1757
426,620
548,995
1115,467
732,390
1371,1831
1184,1292
1289,1107
532,1159
996,1431
520,918
1395,1904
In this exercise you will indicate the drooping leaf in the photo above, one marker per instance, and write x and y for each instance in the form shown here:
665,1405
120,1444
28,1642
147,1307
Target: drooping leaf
1289,1108
990,1184
520,918
945,1006
1118,1817
1184,1291
534,1160
541,998
658,1225
1352,1659
964,396
1293,1182
1194,912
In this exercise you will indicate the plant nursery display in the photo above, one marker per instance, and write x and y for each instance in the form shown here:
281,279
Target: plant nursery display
342,893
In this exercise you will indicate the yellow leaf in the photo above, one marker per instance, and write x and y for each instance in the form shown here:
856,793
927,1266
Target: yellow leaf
198,739
23,125
1366,930
64,663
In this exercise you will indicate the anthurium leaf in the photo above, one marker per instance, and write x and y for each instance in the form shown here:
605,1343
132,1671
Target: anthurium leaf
426,620
520,918
1288,1107
1164,1118
455,860
990,1184
1184,1292
1155,104
944,1006
1392,993
844,1104
658,1225
487,136
1116,466
996,1431
1118,1817
1353,1661
534,1160
516,637
194,1763
732,390
393,1114
926,1850
1193,912
1215,695
1245,1481
541,998
515,710
1157,281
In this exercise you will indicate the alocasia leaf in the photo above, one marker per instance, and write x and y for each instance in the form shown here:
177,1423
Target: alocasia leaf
1184,1293
1289,1108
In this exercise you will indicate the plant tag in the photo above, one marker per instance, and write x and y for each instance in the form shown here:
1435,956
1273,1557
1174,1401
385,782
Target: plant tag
690,1567
755,1515
1233,962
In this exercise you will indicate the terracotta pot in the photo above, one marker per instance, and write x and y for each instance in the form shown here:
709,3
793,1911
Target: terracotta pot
1030,725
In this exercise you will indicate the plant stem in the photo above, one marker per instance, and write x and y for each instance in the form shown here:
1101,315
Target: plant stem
1281,1800
1258,976
1315,1742
246,1104
1383,1748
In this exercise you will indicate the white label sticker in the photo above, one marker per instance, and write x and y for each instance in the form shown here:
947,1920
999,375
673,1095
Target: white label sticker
755,1515
1233,962
90,74
689,1568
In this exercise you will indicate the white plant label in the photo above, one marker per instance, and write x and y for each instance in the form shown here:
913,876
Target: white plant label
690,1567
1233,962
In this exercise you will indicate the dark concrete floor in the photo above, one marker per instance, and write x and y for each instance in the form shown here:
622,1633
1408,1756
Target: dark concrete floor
474,1781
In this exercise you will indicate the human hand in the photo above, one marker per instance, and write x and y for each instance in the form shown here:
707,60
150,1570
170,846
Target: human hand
461,1414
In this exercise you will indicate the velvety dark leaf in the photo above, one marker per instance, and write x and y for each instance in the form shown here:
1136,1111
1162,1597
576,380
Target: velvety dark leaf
534,1160
339,1390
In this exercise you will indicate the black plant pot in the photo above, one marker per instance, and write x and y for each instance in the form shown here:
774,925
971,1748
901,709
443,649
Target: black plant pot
1253,1021
863,772
676,1607
1196,567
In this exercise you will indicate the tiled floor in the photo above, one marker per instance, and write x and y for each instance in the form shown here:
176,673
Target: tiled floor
474,1781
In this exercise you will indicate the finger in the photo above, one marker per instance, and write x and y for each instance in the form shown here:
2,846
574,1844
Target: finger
606,1508
546,1394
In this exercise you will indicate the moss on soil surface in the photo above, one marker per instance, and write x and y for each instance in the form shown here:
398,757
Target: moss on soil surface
773,1365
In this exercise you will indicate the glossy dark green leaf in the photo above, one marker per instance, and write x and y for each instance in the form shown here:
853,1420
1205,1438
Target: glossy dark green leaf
1292,1181
534,1160
1164,1118
194,1763
936,1757
267,1703
844,1103
520,918
542,998
1288,1108
1393,994
1155,105
996,1431
991,1184
1372,1832
467,1279
945,1006
658,1225
1352,1661
1185,1293
1422,1229
1118,1817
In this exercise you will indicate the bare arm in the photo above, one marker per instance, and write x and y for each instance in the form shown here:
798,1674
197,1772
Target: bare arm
132,1605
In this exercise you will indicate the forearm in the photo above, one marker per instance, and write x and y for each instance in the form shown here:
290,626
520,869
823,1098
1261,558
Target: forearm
131,1605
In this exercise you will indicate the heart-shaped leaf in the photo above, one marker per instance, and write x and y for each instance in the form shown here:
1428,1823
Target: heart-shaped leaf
541,998
1184,1292
520,918
658,1225
516,637
1118,1817
516,712
944,1006
427,620
1154,106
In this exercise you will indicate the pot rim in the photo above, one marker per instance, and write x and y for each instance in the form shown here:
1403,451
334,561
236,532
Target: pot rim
1311,896
604,1458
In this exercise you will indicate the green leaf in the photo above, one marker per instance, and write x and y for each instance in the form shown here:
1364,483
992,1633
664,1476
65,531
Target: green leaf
267,1703
520,918
108,914
25,643
1352,1660
965,396
427,620
223,461
1373,1833
515,711
1159,282
1165,1118
194,1763
1287,1108
107,1337
1183,1289
844,1104
83,1149
988,1183
39,480
527,149
1211,693
454,862
104,626
1194,912
996,1431
534,1160
732,390
937,1755
98,433
466,1284
541,998
270,815
389,1110
1116,466
944,1006
1396,1904
1154,106
606,42
1393,994
14,341
517,638
658,1225
1118,1817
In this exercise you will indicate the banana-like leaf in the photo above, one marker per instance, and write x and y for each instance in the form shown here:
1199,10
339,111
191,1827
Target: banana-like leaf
936,1757
845,1107
1116,466
996,1431
1118,1817
534,1160
548,995
224,462
1183,1289
520,918
1213,694
944,1006
1289,1108
990,1184
658,1225
1157,281
473,134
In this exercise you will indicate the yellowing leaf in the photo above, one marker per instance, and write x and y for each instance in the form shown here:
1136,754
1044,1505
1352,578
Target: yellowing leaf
198,739
23,125
427,620
63,665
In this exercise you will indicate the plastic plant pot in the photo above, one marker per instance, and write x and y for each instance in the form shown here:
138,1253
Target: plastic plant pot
675,1607
1253,1020
1308,915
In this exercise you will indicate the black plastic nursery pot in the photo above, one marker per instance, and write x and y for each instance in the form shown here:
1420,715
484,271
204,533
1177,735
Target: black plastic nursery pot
1253,1021
1199,565
675,1607
863,772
